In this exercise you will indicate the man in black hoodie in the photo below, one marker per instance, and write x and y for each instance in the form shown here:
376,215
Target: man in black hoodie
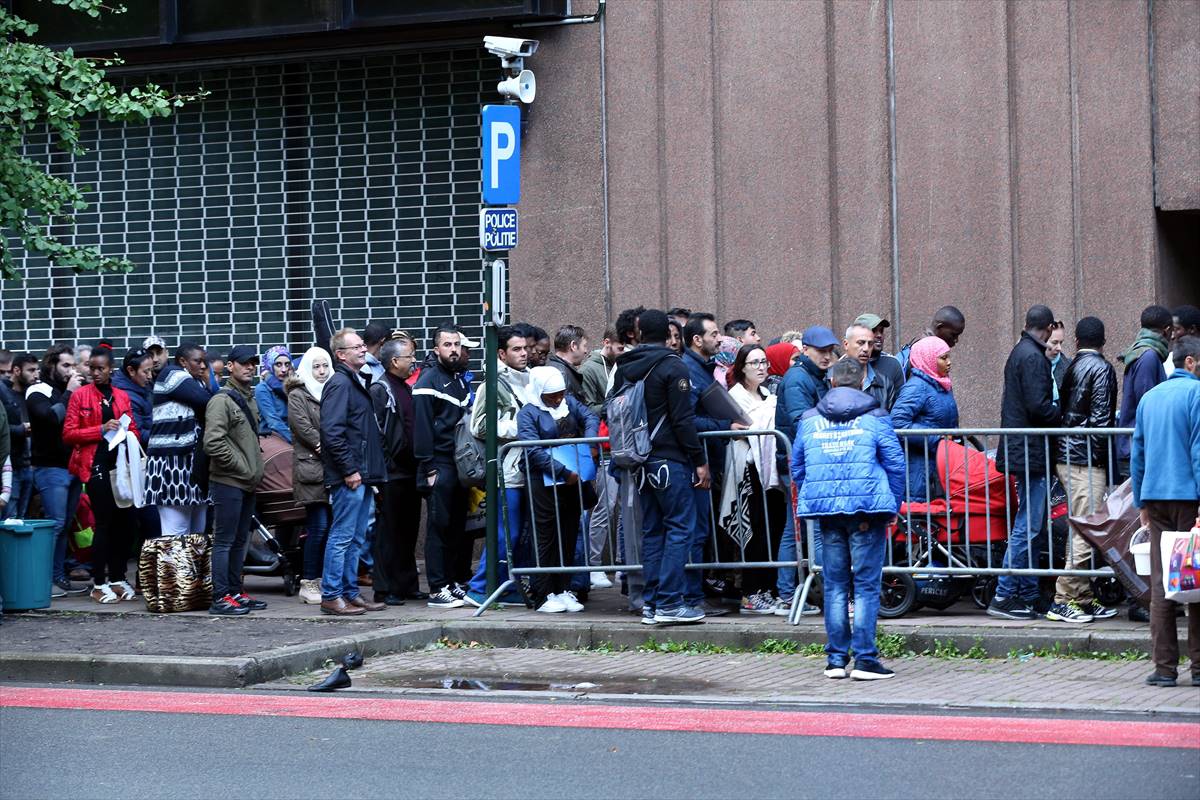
440,398
676,465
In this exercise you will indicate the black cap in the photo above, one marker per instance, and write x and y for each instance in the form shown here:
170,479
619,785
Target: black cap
242,353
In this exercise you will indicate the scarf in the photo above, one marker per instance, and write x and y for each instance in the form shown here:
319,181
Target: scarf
1146,340
268,366
779,358
924,356
305,371
547,380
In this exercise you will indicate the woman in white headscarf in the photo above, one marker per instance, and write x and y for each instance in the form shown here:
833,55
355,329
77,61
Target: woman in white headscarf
308,474
552,414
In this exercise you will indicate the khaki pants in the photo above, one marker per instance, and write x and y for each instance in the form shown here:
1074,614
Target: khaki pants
1085,488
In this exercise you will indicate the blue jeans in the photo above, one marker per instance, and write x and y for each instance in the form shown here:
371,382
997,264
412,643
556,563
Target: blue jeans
693,591
854,551
1028,524
514,500
668,525
22,491
317,517
347,538
60,495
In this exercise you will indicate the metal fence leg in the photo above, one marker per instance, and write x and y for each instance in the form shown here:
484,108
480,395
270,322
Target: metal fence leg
486,604
798,603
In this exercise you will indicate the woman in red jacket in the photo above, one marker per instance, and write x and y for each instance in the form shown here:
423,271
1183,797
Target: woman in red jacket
94,410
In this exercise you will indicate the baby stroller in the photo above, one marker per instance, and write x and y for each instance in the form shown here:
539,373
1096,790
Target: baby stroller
274,529
959,530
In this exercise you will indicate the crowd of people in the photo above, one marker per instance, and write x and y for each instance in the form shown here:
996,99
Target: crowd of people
375,430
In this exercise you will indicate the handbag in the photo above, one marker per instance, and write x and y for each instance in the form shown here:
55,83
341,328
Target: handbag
1181,565
128,478
175,573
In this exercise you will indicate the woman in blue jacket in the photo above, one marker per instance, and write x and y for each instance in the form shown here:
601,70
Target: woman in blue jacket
271,396
925,401
551,414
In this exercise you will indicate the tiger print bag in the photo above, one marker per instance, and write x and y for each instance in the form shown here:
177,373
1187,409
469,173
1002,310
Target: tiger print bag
175,573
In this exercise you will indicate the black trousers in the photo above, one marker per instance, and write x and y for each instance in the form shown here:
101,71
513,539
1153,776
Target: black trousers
556,511
232,509
447,546
394,547
113,532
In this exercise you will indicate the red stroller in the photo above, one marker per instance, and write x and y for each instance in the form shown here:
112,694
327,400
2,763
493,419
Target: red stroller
967,529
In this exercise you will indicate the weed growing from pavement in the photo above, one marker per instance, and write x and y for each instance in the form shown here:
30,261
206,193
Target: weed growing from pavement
1059,651
892,645
452,644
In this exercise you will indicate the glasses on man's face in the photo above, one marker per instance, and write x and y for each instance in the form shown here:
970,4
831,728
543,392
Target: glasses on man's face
757,362
354,347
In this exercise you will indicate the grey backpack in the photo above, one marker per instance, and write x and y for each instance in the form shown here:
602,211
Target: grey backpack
629,433
469,454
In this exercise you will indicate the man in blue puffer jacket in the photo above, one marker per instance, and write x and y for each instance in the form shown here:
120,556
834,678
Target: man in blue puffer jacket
849,472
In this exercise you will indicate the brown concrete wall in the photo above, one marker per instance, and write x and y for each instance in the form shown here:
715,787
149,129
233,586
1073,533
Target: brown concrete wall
748,166
1177,111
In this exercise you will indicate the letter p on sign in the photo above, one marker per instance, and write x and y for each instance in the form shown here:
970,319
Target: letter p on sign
501,155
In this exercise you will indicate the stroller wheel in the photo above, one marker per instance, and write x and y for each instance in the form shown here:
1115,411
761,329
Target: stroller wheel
1109,592
984,590
291,585
899,595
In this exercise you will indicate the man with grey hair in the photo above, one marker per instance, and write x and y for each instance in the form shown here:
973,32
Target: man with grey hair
859,345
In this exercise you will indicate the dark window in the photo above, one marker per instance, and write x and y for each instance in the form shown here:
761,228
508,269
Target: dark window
60,25
218,18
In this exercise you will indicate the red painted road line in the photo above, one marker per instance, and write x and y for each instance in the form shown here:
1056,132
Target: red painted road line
645,718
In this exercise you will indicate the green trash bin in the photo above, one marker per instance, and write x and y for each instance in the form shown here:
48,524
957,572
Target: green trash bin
26,555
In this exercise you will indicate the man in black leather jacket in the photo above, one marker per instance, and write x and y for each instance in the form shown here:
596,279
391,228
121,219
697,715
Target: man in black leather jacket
1089,400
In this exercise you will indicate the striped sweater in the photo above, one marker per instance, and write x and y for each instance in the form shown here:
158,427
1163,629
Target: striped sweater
179,403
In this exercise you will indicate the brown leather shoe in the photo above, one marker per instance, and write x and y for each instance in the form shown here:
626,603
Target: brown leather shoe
340,608
361,602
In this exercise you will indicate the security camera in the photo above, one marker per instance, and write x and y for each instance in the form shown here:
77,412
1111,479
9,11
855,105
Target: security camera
507,47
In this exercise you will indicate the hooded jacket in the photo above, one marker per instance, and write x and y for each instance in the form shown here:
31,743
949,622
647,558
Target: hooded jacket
802,387
1028,402
924,403
141,398
350,437
510,398
1089,400
231,439
668,398
535,423
596,374
1166,442
304,422
440,398
1142,373
847,459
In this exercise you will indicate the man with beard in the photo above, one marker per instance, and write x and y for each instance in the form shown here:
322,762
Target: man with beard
440,398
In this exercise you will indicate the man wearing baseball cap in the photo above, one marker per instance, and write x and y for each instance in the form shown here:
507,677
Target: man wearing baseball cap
888,374
157,348
235,468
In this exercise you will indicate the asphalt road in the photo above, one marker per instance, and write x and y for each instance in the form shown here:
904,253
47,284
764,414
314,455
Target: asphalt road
69,752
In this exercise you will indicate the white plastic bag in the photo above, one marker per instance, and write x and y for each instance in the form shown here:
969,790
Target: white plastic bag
129,476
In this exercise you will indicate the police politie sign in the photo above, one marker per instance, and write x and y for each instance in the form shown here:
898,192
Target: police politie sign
498,228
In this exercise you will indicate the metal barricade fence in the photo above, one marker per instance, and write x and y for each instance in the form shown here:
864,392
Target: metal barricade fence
756,515
964,523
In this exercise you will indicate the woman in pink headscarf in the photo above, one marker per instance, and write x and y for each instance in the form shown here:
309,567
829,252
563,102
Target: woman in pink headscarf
925,401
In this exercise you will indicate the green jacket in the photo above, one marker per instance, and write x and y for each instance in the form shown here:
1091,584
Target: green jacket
231,440
595,373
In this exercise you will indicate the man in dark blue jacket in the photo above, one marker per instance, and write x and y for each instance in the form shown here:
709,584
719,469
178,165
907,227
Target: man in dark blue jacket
849,473
1144,367
12,397
676,466
352,452
1027,402
702,339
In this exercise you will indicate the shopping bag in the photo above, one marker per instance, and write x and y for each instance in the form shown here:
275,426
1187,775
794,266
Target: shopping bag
175,573
128,478
1181,565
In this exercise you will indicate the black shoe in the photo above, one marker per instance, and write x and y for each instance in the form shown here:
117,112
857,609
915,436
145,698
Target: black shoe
352,660
1010,608
415,595
835,670
246,601
1041,605
389,599
870,671
1155,679
1138,614
338,679
712,611
1196,679
228,607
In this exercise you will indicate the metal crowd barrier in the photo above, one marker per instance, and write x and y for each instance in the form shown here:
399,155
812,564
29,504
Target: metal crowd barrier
718,553
952,534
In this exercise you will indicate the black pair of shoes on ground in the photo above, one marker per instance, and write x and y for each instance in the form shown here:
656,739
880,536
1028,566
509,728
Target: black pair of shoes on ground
1158,679
340,677
235,605
863,670
389,599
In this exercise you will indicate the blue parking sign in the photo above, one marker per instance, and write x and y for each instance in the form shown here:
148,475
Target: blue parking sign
501,155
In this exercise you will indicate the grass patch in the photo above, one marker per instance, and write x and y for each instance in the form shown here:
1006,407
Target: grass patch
1057,650
453,644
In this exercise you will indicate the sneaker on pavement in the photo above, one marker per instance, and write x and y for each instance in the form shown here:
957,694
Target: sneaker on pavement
759,603
571,602
228,607
474,599
835,670
1010,608
458,590
310,592
684,615
600,581
810,610
1100,612
68,587
553,605
648,616
444,598
1156,679
249,602
1069,611
870,671
783,608
57,590
1138,614
708,610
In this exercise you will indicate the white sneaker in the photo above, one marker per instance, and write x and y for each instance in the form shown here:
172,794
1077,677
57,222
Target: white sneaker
570,601
310,592
601,581
553,605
